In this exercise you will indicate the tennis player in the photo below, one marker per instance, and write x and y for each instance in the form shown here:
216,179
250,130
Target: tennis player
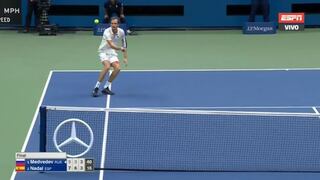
109,56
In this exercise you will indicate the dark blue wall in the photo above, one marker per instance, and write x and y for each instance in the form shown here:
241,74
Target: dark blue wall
197,13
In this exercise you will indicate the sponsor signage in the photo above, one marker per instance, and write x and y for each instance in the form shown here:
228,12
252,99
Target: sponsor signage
291,21
259,28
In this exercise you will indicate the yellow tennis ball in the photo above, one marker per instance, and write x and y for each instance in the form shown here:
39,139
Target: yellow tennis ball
96,21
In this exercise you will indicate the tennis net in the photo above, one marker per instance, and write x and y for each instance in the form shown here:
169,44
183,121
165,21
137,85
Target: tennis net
184,140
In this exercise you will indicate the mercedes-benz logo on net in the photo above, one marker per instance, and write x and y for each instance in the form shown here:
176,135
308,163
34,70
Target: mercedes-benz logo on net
73,138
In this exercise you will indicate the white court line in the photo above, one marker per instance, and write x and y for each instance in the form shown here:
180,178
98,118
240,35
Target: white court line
197,70
77,108
315,110
105,135
227,107
34,120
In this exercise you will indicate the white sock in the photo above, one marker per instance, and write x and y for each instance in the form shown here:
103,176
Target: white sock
97,85
107,84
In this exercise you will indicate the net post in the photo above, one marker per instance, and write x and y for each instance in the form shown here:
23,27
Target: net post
43,128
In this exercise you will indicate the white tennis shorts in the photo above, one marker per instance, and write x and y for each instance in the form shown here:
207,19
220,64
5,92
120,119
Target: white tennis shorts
108,57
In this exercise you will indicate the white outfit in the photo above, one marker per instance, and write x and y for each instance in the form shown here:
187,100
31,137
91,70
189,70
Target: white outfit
106,53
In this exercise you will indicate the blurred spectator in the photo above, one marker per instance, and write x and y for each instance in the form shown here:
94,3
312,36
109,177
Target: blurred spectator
32,8
264,5
114,8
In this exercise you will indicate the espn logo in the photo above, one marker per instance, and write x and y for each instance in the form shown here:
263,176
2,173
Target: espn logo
291,21
291,18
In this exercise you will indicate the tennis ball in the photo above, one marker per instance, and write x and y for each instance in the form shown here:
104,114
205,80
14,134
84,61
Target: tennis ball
96,21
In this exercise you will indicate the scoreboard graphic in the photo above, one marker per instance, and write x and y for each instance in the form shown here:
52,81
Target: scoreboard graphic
10,12
36,161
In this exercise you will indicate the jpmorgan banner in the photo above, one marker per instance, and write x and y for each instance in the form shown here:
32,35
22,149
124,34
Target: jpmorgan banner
10,12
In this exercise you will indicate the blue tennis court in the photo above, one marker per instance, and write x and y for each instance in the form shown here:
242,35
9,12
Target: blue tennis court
292,91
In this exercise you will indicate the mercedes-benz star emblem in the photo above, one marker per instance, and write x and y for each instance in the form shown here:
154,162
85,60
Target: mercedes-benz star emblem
73,137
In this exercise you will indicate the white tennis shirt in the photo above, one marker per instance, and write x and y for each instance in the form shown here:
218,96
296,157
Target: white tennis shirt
115,38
